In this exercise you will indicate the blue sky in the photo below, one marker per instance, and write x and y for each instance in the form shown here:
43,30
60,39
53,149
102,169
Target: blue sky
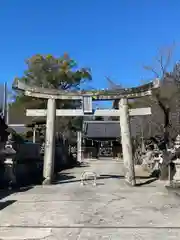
114,38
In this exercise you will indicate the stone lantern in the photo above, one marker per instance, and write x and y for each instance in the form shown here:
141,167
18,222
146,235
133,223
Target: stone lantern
176,177
9,154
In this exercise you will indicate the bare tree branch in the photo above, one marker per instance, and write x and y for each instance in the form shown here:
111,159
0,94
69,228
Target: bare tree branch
113,85
164,96
163,59
149,68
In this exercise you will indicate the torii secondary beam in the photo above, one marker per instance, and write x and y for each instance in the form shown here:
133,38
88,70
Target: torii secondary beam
80,112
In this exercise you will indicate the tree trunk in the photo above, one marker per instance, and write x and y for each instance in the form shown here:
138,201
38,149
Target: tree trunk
164,167
166,111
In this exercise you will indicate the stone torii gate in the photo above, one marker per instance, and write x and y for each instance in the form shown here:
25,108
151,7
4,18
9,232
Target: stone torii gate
87,97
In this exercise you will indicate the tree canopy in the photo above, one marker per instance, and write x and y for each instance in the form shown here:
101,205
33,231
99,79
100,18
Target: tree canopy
52,72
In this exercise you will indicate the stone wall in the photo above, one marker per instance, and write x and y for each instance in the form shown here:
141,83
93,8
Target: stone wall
27,151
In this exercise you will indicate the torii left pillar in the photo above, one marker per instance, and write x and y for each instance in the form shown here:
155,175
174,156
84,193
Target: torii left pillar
129,171
48,170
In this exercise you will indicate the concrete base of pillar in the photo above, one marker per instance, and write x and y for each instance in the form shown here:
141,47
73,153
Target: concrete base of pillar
129,179
130,182
47,181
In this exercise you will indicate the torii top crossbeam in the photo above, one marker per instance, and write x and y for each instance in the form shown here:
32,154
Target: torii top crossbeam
135,92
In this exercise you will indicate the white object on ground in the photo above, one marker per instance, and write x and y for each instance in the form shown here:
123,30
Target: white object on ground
87,175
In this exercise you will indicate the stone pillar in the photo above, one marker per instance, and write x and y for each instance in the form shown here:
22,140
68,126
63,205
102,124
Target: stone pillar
79,146
126,142
48,170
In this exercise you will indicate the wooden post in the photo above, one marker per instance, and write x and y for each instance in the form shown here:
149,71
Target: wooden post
48,170
34,134
79,145
126,142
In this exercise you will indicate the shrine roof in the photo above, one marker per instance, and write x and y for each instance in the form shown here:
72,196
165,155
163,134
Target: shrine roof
109,129
102,129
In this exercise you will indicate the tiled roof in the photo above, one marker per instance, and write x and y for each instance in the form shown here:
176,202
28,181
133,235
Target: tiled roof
103,129
19,128
111,129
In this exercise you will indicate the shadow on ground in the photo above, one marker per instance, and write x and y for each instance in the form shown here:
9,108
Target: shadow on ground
6,192
67,178
112,176
82,164
148,179
146,182
5,204
62,178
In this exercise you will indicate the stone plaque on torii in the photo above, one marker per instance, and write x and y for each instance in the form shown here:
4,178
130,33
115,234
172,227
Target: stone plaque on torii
87,97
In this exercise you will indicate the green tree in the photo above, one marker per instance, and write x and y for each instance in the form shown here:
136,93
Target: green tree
52,72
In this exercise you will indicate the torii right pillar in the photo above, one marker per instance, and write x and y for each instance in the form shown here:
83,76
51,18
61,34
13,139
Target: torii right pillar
129,171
